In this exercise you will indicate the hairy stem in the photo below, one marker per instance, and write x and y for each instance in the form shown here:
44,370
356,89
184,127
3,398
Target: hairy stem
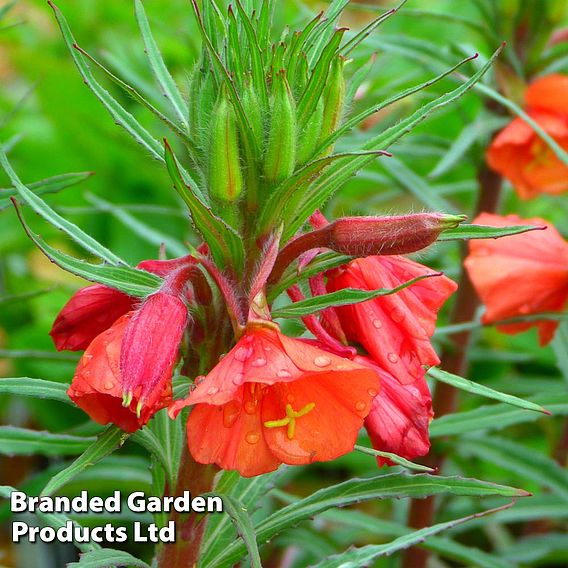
454,360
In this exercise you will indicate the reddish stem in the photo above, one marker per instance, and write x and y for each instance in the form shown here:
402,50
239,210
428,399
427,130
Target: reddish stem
454,360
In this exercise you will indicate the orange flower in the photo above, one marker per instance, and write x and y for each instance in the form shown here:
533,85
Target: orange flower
395,329
273,399
98,388
520,275
521,156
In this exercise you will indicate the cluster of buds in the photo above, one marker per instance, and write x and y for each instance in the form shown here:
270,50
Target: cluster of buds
259,135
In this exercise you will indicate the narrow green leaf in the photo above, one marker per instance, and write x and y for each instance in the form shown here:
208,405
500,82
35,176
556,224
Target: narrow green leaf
35,388
242,522
344,297
112,438
521,460
359,490
224,242
49,185
560,347
484,232
23,442
364,556
45,211
107,558
481,390
128,280
393,458
165,80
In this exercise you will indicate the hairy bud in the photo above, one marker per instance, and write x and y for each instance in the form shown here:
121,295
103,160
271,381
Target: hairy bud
334,96
225,175
403,234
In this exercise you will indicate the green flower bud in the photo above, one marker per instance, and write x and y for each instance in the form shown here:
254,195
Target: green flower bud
280,157
206,101
225,175
253,111
308,139
333,96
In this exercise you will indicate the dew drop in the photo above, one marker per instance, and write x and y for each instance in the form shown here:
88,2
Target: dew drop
397,315
284,374
360,406
290,398
238,379
392,357
242,354
525,309
109,385
230,414
199,380
260,362
377,323
252,437
87,357
322,361
212,390
250,407
372,392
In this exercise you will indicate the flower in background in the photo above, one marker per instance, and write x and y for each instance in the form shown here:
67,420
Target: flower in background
520,155
273,399
520,275
394,329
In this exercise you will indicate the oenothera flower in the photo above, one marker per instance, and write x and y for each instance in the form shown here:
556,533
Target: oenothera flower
521,156
97,386
520,275
400,415
394,329
93,309
274,399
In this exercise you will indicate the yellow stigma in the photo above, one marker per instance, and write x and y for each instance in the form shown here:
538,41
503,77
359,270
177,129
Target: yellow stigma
290,418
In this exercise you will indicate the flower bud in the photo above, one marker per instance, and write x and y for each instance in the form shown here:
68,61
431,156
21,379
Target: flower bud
310,136
225,175
280,157
334,96
253,111
403,234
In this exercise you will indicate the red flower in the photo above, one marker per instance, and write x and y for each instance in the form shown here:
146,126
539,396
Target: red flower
520,275
394,329
95,308
400,415
98,389
273,399
521,156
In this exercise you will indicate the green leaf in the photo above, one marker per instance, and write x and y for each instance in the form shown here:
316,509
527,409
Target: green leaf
519,459
364,556
165,80
107,558
347,296
242,522
49,185
35,388
45,211
560,347
481,390
131,281
23,442
357,491
224,242
484,232
494,417
112,438
393,458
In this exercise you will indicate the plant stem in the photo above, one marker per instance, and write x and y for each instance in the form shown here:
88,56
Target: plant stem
454,360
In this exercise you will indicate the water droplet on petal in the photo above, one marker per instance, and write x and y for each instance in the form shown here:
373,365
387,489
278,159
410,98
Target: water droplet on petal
212,390
252,437
199,380
372,392
242,354
322,361
377,323
109,385
230,414
392,357
525,309
260,362
87,357
250,407
238,379
397,315
284,374
290,398
360,406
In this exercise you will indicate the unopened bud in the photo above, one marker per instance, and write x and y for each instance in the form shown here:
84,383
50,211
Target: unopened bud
404,234
253,111
280,157
334,96
225,175
310,136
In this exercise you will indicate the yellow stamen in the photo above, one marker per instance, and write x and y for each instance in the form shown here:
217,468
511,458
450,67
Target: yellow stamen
290,419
